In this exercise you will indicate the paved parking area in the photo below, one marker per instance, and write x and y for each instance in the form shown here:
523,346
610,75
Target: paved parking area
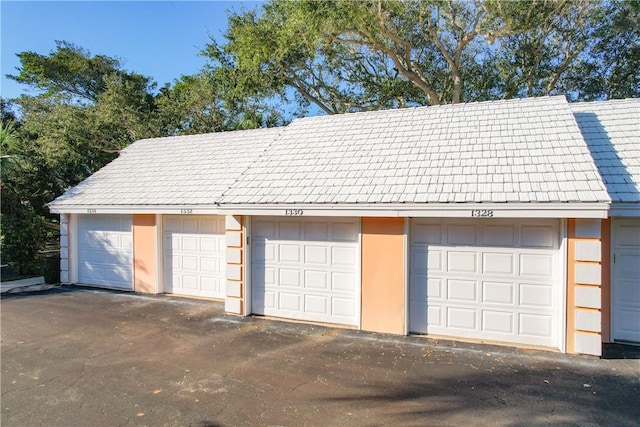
79,357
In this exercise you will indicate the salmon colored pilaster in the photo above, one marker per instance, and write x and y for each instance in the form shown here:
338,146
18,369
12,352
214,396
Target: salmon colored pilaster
383,275
144,254
606,280
64,249
235,242
571,286
584,276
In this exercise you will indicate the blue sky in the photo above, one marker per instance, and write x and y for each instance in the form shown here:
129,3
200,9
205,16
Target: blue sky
160,39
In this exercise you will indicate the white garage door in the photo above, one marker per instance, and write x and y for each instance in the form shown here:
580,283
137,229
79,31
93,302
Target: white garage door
625,286
487,279
306,269
194,255
105,250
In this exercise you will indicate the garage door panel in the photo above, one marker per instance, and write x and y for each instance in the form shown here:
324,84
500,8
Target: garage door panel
539,237
126,241
343,282
629,292
316,280
315,269
435,317
499,236
501,293
289,253
461,262
536,265
209,265
428,234
628,323
627,266
627,236
289,301
289,277
343,307
435,289
419,260
189,243
194,255
189,225
316,304
316,231
190,282
343,256
498,263
625,284
211,227
418,316
499,322
210,245
418,286
263,229
461,318
461,290
434,260
105,250
536,295
464,235
315,255
535,325
289,230
344,232
495,288
210,283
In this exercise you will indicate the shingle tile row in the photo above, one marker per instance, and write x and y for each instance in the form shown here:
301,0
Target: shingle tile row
611,131
527,150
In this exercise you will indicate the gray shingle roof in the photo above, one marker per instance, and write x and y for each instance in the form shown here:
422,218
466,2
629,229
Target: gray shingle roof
520,151
524,150
611,130
183,170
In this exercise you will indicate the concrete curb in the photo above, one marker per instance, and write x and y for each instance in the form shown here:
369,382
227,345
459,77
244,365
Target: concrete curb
29,284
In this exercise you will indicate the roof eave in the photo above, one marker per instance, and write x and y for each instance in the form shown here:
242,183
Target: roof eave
451,210
625,209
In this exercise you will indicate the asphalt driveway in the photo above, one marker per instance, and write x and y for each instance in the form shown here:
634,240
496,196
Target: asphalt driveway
79,357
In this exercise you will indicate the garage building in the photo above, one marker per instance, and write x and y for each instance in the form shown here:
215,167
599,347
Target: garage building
513,222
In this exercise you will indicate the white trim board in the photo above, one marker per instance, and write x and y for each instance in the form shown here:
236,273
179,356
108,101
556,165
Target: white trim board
440,210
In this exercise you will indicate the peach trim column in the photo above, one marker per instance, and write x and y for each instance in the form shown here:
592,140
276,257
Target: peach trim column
145,246
234,302
64,248
606,280
383,301
584,302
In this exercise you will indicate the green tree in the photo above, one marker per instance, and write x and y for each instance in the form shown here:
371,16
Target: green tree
349,55
85,110
23,230
69,70
610,70
210,102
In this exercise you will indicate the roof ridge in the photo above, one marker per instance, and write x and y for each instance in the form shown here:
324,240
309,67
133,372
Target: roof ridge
459,105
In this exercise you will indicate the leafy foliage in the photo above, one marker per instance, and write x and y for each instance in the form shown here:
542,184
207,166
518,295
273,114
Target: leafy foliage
350,55
87,110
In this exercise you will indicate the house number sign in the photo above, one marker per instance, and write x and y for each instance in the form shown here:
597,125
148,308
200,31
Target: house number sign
482,213
293,212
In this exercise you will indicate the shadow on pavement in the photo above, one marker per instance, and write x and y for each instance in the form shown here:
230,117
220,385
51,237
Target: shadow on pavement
620,351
